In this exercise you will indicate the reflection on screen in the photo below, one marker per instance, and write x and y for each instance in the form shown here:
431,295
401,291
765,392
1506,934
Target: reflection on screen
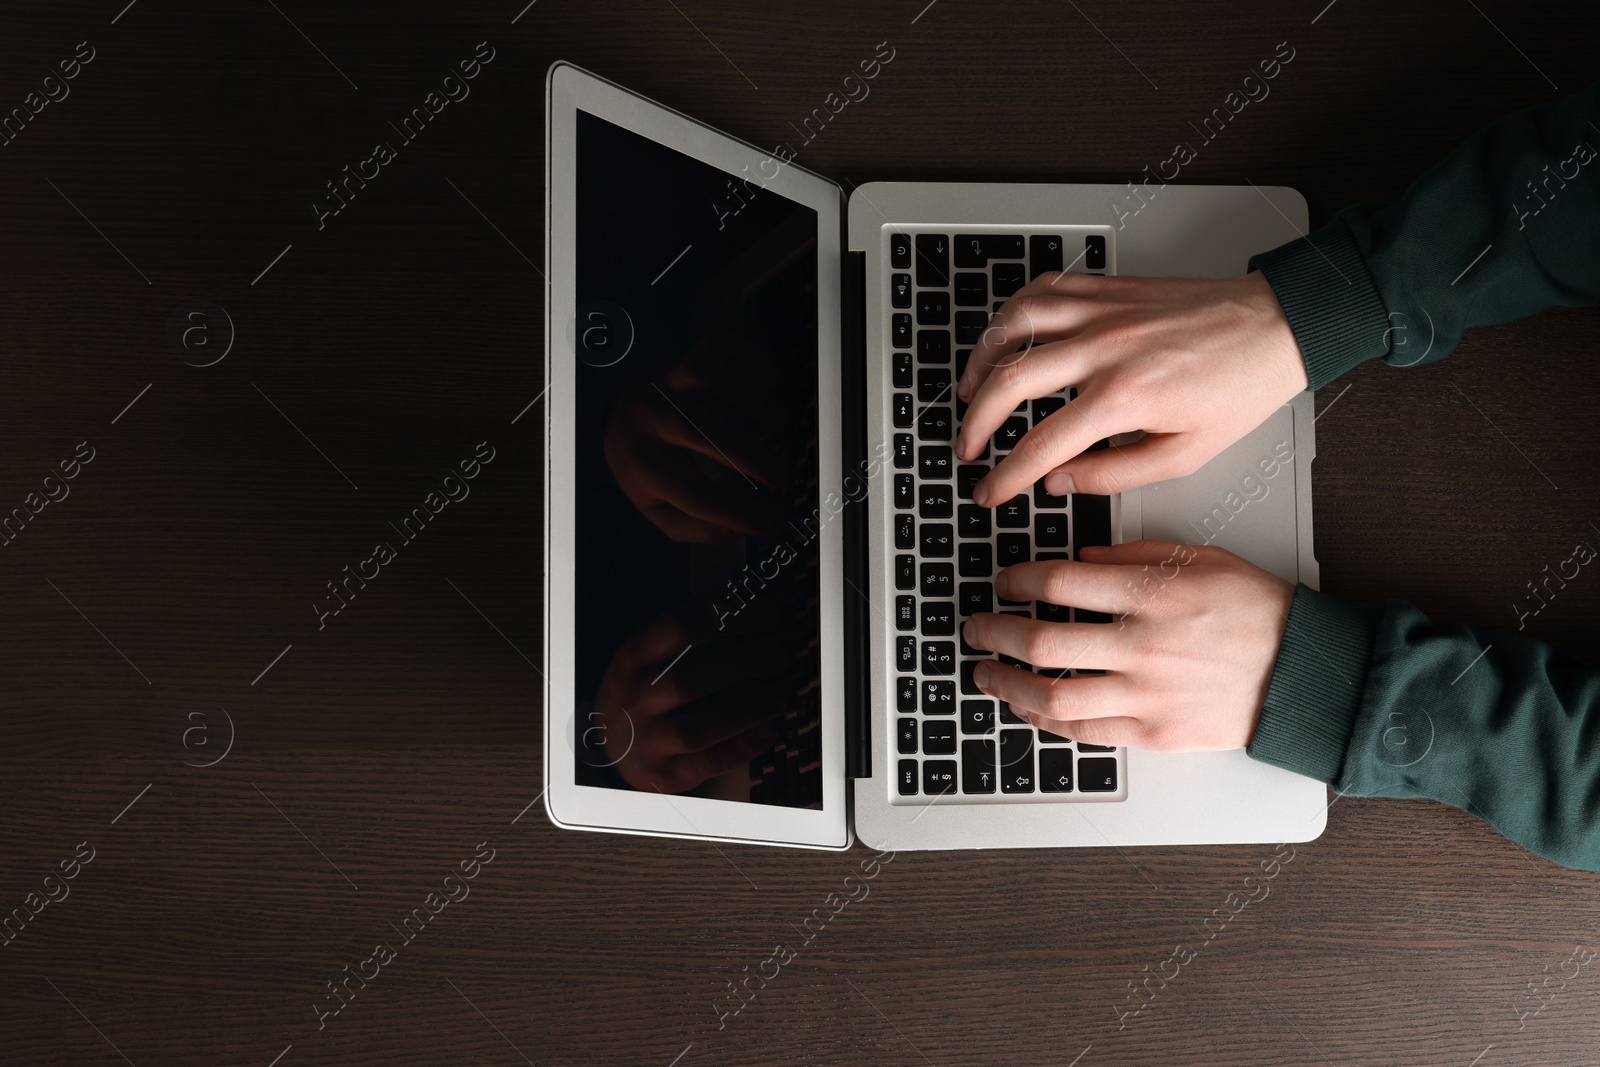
697,523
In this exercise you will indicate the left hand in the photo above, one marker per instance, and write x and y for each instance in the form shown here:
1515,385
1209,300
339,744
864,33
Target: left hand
1187,659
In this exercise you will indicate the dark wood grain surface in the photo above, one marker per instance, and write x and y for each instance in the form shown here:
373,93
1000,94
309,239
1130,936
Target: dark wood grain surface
171,592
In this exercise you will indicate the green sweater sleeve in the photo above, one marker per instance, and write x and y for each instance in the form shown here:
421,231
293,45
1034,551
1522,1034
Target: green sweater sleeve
1507,225
1381,701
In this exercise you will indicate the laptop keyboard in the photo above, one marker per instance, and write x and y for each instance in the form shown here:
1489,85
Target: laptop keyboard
951,739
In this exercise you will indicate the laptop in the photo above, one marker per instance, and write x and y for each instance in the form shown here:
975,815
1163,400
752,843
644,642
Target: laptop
759,544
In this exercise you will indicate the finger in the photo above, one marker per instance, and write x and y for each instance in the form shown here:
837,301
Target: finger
1147,552
1033,313
742,708
1153,458
1058,439
732,754
1087,584
1113,730
1090,697
1049,644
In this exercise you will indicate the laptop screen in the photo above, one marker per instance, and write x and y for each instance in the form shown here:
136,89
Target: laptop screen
697,581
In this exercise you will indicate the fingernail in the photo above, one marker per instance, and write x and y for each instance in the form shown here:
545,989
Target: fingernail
962,389
1002,585
1092,550
980,674
968,632
1063,486
980,494
961,444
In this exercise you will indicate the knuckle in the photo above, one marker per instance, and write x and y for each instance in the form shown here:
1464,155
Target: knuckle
1039,646
1058,702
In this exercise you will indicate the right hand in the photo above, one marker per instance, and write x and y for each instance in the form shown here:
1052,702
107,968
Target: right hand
1195,363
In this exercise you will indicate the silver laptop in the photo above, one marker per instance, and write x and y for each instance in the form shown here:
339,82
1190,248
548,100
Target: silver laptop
760,545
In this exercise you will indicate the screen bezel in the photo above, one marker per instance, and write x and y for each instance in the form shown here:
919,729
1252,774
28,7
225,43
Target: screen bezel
569,90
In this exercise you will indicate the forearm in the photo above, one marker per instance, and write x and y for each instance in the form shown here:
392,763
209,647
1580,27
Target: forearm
1507,225
1489,721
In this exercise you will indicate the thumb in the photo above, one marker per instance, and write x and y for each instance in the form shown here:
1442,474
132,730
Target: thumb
1137,553
1104,471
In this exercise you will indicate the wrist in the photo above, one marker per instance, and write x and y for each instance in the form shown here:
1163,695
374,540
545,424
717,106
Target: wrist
1276,337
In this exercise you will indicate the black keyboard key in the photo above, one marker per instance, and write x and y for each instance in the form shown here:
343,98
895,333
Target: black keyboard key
902,451
908,777
939,737
968,686
905,572
905,694
1097,774
938,540
934,502
968,475
972,290
902,370
933,309
1042,499
976,561
938,618
900,291
1048,738
904,410
975,521
905,491
1007,716
938,697
1095,748
1010,432
970,326
900,329
1046,406
1094,256
962,355
906,732
899,250
937,579
933,260
1011,548
1050,530
977,767
1091,520
905,614
1044,251
938,657
1013,514
938,776
1016,761
905,653
977,249
905,532
973,597
933,386
933,346
1008,278
936,462
977,717
1055,770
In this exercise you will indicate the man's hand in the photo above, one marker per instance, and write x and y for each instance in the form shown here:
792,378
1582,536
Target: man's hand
1195,363
1187,663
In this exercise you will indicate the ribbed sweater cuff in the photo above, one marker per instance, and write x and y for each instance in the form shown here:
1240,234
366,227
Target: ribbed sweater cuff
1315,693
1327,294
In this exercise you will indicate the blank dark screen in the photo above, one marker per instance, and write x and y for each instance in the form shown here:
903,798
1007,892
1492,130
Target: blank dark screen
697,622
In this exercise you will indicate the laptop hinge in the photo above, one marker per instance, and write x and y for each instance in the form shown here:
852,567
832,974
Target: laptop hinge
853,360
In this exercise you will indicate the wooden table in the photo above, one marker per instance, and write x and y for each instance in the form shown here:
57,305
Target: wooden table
163,610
